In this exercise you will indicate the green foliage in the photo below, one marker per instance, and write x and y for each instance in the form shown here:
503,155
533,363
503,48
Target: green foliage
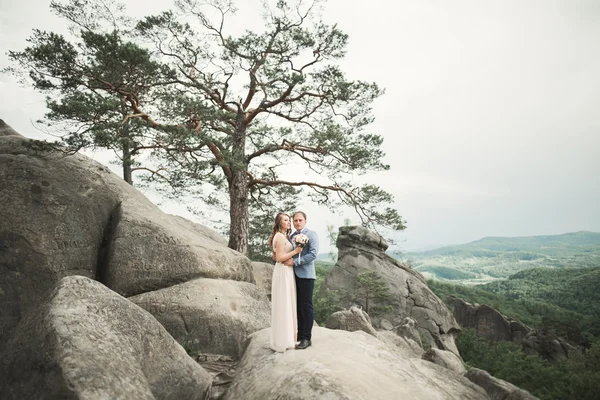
531,311
490,259
576,378
218,116
374,291
574,289
328,301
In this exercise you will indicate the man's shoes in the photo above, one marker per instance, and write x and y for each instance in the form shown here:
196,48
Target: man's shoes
304,343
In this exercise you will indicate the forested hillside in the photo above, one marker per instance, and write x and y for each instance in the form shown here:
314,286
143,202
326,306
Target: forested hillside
496,258
561,301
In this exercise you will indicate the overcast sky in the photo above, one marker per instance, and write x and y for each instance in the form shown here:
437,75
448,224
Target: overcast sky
491,116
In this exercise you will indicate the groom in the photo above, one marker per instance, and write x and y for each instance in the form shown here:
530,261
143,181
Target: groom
304,268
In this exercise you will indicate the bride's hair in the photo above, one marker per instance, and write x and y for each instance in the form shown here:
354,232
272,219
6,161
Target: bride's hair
277,228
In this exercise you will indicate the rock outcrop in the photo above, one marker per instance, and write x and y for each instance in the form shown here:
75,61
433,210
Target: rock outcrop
351,320
496,388
359,251
209,316
548,346
491,325
67,215
98,286
85,341
343,365
263,275
445,359
487,322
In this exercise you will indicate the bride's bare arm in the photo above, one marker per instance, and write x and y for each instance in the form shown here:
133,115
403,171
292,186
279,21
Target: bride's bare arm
280,254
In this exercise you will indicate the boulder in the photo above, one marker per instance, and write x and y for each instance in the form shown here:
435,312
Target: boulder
263,276
497,389
6,130
351,320
548,346
342,365
487,322
445,359
68,215
408,330
359,251
54,213
209,316
491,325
84,341
401,345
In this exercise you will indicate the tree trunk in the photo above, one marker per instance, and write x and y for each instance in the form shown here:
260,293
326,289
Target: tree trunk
238,210
127,161
238,189
123,133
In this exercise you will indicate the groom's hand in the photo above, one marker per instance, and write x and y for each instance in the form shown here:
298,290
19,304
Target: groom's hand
289,262
273,256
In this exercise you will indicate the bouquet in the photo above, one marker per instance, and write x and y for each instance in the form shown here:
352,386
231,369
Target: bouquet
301,240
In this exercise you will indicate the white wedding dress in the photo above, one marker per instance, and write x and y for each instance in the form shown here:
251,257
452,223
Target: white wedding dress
284,324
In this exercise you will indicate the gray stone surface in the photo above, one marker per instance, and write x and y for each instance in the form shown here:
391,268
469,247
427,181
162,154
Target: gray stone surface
548,346
402,345
86,342
209,316
497,389
487,322
263,276
360,250
69,215
353,319
6,130
52,221
491,325
444,359
408,330
343,365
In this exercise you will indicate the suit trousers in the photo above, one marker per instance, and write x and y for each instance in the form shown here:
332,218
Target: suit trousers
304,305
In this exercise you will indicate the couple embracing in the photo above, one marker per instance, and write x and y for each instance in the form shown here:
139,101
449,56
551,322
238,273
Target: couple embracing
292,313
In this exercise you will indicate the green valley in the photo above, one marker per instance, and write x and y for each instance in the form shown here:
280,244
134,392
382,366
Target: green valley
496,258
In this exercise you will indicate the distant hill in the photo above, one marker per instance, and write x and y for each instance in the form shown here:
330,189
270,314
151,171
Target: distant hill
575,289
493,258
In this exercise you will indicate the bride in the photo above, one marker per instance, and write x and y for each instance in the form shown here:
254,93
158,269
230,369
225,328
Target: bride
283,287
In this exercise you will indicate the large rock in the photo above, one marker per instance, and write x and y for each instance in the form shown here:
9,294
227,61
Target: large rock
263,276
548,346
343,365
487,322
491,325
351,320
359,251
445,359
6,130
496,388
52,222
67,215
150,250
86,342
209,316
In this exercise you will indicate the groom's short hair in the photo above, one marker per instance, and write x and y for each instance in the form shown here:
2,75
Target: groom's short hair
299,212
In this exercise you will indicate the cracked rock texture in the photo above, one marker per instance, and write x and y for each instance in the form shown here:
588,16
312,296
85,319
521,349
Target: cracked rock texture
343,365
209,316
84,341
491,325
360,250
496,388
68,215
351,320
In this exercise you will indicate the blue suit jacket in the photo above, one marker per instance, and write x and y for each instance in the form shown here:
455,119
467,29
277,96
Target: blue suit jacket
305,268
